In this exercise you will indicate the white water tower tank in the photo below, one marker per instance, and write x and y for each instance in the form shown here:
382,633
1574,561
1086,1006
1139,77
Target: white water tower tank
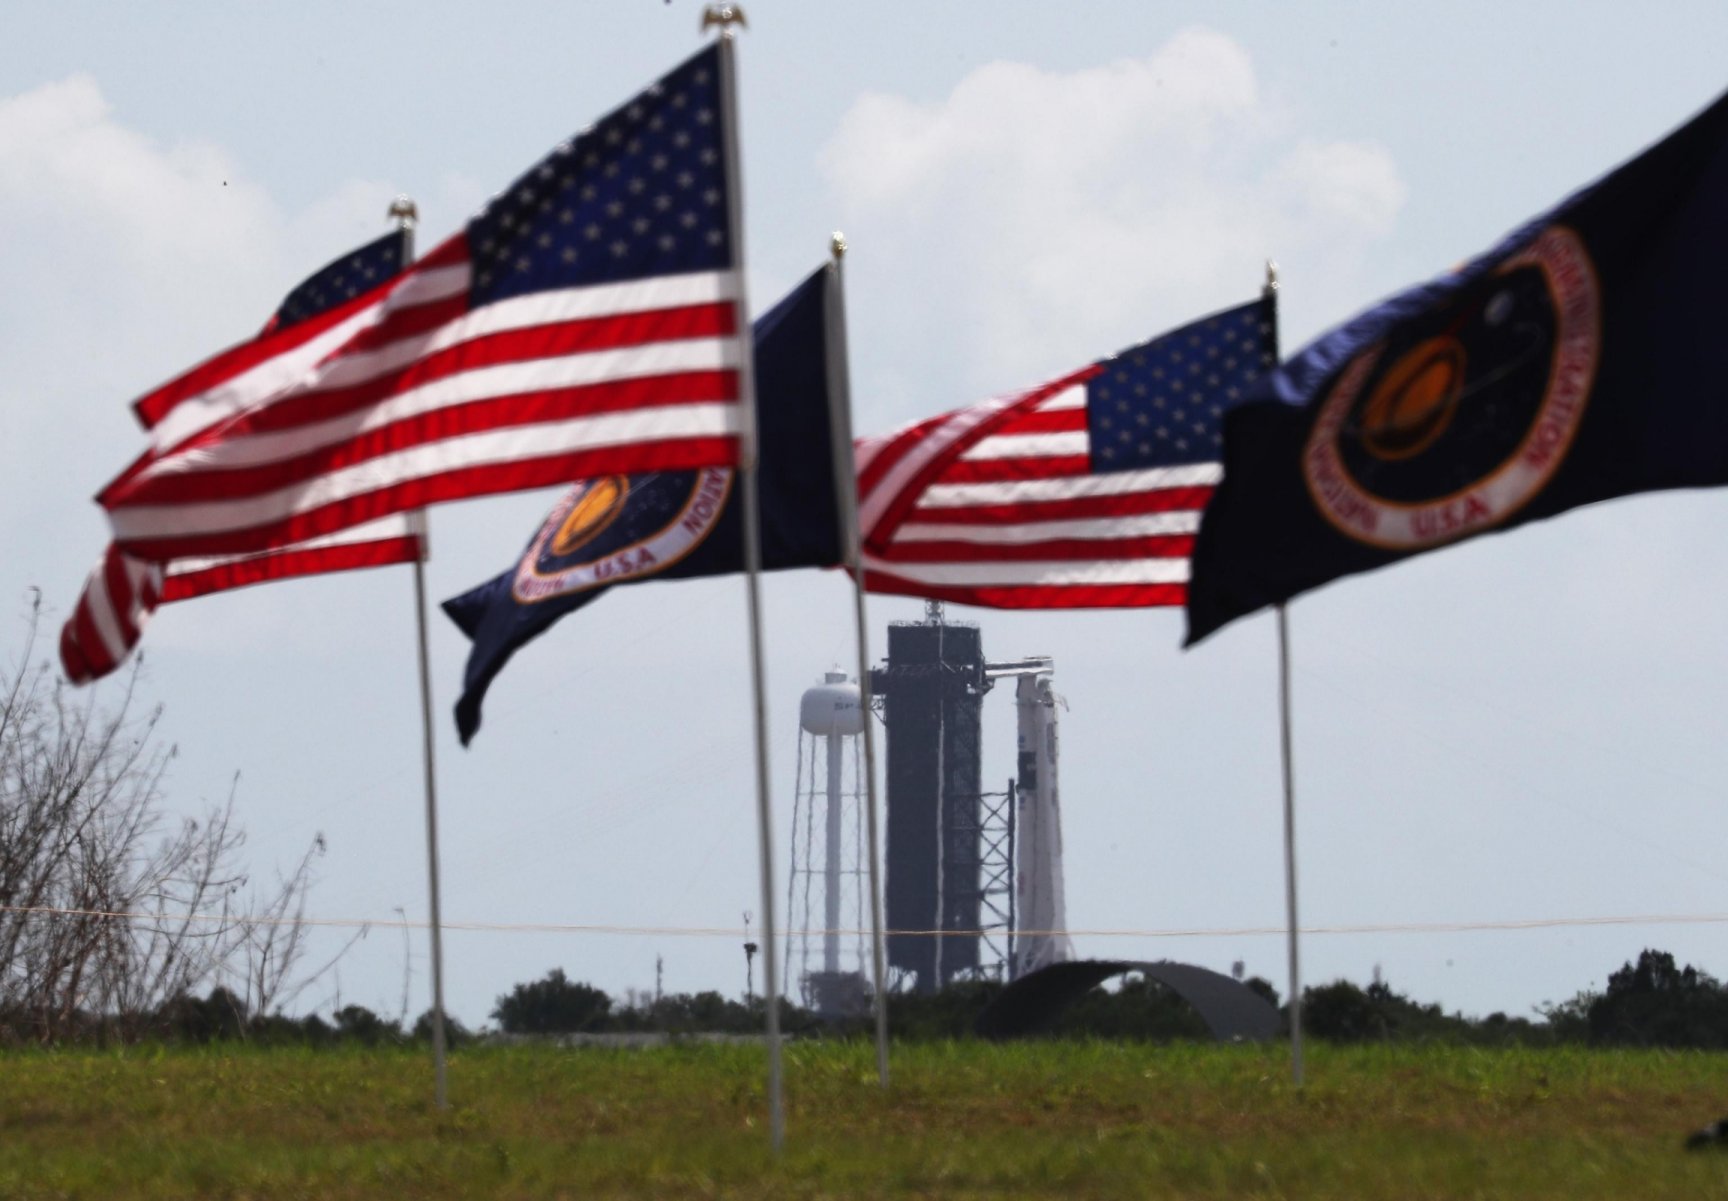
832,707
827,845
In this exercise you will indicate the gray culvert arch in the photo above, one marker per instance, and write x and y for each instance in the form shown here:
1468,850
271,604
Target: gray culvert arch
1232,1011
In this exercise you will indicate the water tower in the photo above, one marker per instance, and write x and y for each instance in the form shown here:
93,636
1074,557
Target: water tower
826,950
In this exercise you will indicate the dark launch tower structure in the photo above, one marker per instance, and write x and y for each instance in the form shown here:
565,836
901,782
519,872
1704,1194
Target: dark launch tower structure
932,694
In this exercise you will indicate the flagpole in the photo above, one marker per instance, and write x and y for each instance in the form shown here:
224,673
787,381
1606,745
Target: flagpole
726,16
1287,763
1294,935
846,497
405,214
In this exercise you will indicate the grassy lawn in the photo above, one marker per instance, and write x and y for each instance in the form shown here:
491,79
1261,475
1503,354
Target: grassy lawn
1072,1120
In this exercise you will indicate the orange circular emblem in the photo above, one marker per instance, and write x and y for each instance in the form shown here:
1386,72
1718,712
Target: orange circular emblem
1458,418
602,502
1413,403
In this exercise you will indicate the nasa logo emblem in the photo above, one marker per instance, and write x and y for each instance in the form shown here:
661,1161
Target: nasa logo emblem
593,508
610,530
1458,421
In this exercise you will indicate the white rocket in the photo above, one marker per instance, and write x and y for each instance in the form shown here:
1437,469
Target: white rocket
1039,908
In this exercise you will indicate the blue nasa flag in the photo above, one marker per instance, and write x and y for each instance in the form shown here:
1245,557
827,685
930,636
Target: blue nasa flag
1581,359
623,529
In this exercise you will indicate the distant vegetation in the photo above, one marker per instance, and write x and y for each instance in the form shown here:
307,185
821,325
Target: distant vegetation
556,1005
1651,1003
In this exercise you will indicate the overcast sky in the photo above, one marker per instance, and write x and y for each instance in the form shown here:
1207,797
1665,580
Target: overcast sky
1527,727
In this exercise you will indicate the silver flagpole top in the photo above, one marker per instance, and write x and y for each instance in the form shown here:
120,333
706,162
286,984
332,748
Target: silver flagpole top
837,245
404,213
724,16
1271,278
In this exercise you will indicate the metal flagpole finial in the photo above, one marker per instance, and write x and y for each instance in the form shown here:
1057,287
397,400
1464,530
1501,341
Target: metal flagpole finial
403,212
1271,278
724,16
837,245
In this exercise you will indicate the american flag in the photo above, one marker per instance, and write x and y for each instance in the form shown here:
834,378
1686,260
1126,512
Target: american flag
585,323
122,592
1084,492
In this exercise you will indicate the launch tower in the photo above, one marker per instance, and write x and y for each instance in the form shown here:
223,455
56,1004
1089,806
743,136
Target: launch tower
932,692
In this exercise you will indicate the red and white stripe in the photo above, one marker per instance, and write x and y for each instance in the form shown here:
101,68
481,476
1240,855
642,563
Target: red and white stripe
393,539
122,592
245,376
118,598
997,505
433,402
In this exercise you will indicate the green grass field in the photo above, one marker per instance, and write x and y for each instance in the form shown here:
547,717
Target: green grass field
1072,1120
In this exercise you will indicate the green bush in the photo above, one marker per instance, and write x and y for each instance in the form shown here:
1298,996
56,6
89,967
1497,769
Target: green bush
552,1005
1654,1003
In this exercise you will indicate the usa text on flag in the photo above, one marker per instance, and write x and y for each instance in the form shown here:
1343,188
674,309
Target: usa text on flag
584,323
1084,492
122,591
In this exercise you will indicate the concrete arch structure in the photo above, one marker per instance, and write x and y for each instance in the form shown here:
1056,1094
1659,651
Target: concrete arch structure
1232,1011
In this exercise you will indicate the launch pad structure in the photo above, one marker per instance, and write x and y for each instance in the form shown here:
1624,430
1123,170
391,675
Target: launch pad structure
974,877
974,881
968,870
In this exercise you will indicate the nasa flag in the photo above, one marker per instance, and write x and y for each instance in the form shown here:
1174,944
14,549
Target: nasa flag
1581,359
623,529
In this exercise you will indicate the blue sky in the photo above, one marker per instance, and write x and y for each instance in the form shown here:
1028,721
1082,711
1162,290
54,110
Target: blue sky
1521,728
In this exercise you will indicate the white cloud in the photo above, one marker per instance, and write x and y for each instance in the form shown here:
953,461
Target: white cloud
106,202
1352,184
130,260
1040,218
167,251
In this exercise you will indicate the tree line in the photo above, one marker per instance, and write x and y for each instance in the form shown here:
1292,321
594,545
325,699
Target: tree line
1652,1002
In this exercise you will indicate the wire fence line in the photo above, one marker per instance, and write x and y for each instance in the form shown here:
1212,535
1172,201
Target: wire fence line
403,923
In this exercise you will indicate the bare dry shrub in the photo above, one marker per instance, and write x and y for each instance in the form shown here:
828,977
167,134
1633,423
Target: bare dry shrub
109,907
